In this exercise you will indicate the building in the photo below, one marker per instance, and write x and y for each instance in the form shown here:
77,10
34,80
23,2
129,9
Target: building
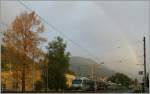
10,81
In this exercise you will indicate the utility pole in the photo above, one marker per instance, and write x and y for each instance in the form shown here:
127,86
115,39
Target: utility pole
92,72
0,10
144,45
33,72
33,75
47,76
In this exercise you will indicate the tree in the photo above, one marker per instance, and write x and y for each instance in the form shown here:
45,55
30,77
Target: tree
23,37
38,85
4,65
10,59
120,78
58,64
11,64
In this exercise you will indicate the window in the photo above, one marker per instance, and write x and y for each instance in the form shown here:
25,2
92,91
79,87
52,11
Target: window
76,81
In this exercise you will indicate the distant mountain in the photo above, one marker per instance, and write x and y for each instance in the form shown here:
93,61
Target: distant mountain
83,67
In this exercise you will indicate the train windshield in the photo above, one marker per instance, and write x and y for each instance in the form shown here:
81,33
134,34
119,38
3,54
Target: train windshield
77,81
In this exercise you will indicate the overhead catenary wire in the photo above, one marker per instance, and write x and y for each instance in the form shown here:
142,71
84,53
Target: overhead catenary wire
63,34
57,30
60,32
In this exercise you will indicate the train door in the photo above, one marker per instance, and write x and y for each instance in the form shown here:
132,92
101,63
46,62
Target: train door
83,84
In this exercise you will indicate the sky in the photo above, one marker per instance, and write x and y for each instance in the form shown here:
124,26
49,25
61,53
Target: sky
110,31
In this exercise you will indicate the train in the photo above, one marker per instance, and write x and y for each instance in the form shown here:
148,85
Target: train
81,83
87,84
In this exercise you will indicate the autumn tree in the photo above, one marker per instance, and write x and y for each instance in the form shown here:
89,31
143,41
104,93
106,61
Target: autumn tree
23,37
9,63
4,64
58,64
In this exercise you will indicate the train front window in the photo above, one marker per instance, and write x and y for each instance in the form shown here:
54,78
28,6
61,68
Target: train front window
76,81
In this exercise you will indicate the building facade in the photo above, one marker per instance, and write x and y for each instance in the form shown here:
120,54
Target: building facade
11,81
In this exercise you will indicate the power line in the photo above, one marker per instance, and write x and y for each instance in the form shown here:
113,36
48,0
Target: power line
60,32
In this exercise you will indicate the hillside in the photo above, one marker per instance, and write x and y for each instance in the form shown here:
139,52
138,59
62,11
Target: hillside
83,67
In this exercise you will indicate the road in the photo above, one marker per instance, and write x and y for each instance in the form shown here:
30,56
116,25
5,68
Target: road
103,91
77,91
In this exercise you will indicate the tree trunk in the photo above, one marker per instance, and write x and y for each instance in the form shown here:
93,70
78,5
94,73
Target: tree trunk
23,78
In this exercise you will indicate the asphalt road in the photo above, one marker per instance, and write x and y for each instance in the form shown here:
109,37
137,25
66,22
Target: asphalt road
103,91
79,91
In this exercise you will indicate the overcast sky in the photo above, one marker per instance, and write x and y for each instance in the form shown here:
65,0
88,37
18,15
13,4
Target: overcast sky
112,30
